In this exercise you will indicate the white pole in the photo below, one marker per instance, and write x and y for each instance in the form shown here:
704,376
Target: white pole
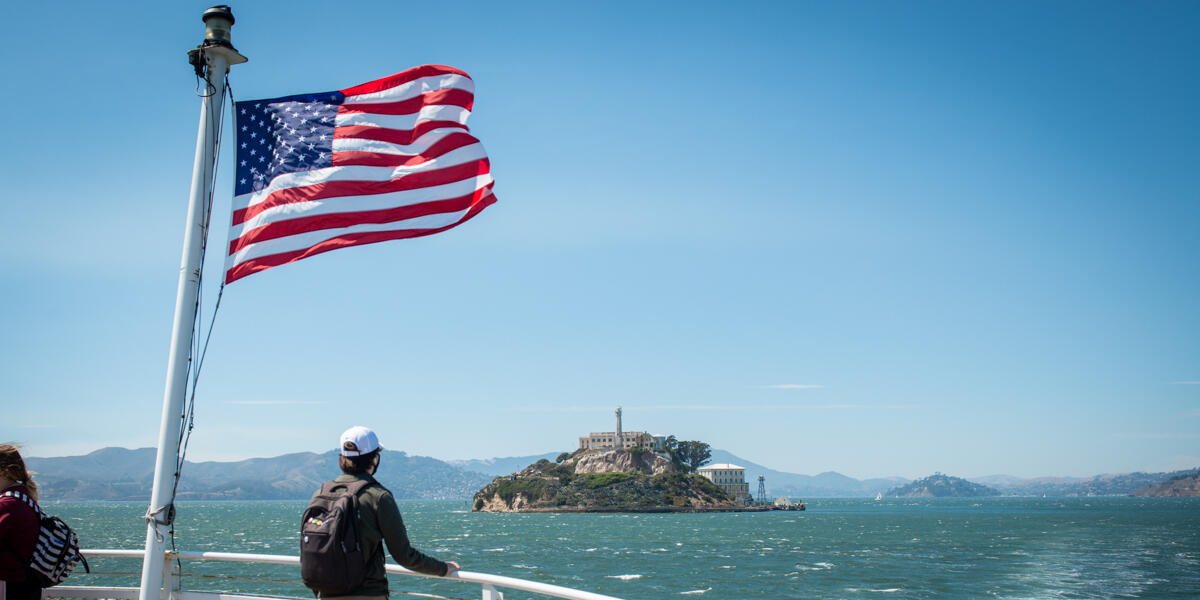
217,53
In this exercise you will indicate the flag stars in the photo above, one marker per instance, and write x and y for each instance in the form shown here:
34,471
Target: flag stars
276,138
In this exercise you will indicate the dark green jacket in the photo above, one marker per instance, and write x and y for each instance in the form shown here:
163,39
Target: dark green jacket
379,521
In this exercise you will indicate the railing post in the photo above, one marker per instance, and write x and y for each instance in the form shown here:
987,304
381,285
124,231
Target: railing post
171,577
490,593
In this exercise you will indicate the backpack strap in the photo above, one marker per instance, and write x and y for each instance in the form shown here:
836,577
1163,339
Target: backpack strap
354,487
18,494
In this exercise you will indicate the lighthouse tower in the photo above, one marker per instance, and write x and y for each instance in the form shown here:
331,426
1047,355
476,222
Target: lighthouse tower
620,445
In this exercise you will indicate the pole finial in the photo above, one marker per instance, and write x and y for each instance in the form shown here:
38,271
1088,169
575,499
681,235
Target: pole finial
218,22
218,37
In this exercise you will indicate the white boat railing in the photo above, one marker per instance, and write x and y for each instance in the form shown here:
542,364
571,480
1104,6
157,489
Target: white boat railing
172,588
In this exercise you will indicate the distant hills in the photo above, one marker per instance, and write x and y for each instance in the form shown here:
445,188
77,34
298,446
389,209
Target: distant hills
941,486
122,474
501,466
1187,484
1101,485
829,484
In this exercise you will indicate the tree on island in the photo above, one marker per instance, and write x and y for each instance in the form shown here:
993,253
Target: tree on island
691,455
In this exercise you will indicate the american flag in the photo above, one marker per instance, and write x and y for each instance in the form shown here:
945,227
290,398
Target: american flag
385,160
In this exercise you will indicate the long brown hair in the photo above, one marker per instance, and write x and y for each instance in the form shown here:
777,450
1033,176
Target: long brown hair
12,466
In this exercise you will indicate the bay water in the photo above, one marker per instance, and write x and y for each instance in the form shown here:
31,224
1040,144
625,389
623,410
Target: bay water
839,548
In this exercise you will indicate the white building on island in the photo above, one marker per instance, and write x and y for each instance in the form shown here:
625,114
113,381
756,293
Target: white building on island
621,440
730,478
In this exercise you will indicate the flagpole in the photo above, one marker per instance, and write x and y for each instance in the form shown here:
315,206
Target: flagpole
216,53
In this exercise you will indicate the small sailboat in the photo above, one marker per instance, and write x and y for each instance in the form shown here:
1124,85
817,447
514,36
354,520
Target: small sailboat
878,496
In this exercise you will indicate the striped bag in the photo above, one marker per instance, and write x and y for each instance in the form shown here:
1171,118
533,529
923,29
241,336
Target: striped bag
57,549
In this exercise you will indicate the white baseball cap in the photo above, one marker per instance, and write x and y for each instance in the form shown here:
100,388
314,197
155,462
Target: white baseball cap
359,440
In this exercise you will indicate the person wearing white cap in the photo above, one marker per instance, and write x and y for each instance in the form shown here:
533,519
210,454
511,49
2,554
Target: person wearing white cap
379,518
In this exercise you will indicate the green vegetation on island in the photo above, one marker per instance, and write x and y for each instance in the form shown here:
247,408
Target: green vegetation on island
633,480
941,486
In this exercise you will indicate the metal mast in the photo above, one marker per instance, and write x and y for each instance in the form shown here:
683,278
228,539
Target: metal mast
212,60
762,489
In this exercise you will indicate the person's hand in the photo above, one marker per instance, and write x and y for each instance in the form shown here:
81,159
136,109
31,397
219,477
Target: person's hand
451,567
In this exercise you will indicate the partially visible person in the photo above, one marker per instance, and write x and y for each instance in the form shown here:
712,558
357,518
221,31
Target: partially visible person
379,519
19,526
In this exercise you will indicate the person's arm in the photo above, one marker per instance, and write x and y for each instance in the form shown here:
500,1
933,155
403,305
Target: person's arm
396,536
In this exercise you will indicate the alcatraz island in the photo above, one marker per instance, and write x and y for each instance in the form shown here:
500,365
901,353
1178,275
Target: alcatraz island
618,471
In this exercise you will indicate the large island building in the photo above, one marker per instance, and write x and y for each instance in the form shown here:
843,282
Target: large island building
619,440
730,478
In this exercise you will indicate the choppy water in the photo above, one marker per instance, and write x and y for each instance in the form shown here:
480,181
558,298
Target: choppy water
1003,547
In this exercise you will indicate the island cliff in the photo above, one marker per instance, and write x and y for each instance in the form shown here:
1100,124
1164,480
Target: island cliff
604,481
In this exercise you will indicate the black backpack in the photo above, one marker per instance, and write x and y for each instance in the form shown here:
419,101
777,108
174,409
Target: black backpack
331,554
57,549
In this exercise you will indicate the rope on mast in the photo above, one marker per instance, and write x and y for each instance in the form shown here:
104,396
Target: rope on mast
165,515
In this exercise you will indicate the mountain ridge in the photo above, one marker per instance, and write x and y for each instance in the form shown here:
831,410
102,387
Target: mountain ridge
123,474
127,474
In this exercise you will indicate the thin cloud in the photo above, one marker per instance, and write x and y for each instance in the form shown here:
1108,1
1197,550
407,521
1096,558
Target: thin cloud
772,406
274,402
1157,436
571,409
1185,383
713,407
794,386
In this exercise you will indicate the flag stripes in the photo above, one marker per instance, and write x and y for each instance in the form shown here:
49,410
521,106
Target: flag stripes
388,159
354,181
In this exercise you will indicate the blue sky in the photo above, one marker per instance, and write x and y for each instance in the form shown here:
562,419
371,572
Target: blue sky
875,238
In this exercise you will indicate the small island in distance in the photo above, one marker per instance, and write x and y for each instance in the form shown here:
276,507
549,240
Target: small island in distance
626,471
632,480
941,486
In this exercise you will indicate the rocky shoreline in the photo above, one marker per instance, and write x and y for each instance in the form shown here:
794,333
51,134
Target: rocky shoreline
641,509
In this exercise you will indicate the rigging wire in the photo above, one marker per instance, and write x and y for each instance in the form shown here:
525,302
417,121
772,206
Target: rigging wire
216,122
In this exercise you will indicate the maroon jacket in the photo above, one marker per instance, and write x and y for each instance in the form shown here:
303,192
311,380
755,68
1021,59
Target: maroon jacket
19,526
